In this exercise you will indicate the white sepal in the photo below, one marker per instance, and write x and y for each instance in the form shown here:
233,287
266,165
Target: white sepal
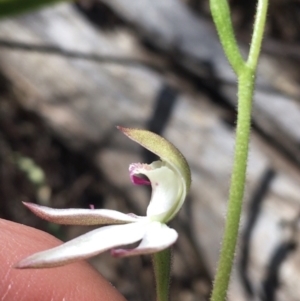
87,245
76,216
157,237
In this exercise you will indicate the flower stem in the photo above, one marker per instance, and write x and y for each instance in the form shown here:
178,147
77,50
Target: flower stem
246,79
221,15
258,32
162,270
245,91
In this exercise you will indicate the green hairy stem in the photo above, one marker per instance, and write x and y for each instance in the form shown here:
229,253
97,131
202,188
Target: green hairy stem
245,72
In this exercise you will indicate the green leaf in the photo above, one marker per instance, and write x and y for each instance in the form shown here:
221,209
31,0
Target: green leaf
12,7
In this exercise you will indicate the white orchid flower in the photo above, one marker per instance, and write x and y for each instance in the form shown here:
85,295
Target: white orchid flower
170,180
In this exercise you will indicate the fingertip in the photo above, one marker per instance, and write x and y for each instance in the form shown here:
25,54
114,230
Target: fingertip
61,283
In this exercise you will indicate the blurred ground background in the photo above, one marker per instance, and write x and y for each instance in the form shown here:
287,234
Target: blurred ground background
70,73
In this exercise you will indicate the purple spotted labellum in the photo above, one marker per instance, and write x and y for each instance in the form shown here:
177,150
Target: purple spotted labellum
170,181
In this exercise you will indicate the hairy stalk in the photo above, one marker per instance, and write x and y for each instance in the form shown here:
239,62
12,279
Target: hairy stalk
245,90
162,270
246,78
221,15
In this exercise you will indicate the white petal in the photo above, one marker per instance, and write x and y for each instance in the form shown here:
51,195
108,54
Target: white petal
157,237
80,216
167,189
87,245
